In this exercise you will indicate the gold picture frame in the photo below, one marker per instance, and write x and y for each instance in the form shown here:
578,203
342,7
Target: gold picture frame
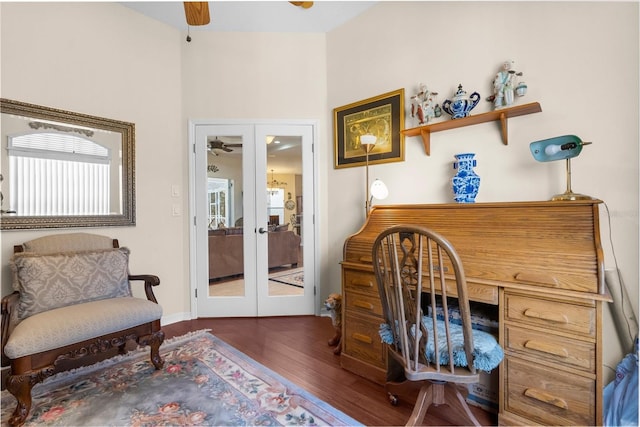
381,116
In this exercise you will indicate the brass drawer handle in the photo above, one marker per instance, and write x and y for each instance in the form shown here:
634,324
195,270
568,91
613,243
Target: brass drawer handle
540,278
363,338
552,317
546,348
367,284
363,304
545,397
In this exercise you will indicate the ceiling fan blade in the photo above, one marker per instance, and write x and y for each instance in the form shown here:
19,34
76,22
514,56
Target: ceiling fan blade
197,12
302,4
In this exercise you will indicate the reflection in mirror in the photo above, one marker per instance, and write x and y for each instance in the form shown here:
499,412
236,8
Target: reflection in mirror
65,169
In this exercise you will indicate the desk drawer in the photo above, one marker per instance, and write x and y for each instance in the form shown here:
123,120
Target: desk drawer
363,303
548,396
561,316
361,282
552,348
362,340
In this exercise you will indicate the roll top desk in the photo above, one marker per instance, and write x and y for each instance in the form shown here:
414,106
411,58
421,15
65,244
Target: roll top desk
541,264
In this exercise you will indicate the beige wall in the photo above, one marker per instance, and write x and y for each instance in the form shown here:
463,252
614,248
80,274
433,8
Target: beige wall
580,61
107,60
104,59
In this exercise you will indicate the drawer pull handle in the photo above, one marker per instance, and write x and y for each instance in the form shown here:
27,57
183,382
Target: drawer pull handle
366,259
546,348
364,284
539,278
363,304
362,338
552,317
545,397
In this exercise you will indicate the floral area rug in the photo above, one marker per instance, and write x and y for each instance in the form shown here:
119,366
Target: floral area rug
204,382
289,277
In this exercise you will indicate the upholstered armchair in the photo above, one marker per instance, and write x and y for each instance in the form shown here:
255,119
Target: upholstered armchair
72,305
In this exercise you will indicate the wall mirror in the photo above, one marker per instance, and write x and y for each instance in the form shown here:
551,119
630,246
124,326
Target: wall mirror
63,169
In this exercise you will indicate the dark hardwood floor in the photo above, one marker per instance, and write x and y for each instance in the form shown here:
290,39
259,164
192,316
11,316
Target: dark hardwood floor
296,348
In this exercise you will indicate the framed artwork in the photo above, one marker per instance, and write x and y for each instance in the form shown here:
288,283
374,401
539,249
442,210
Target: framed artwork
381,116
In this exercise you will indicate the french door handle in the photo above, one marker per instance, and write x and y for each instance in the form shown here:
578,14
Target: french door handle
261,230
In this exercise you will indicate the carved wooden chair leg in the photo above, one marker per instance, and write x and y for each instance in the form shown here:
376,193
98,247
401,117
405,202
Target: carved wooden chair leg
20,387
154,341
122,348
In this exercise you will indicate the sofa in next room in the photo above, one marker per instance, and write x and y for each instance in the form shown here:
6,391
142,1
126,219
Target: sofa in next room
226,254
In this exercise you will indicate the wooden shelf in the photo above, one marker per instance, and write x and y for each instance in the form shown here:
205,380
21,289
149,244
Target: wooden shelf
502,114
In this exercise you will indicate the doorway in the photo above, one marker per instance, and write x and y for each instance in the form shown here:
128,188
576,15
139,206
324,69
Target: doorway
253,253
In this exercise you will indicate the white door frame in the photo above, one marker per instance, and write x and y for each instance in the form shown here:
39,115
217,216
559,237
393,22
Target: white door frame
193,267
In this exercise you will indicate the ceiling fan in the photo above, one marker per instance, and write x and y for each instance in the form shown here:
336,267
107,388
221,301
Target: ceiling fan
197,12
217,144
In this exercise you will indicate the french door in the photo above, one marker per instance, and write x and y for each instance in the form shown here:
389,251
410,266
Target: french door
253,246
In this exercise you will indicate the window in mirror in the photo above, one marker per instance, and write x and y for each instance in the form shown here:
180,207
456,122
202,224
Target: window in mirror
58,174
64,169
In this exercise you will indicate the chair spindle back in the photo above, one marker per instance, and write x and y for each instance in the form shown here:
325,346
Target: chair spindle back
410,262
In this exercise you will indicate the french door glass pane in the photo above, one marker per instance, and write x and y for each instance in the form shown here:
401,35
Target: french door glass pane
284,208
226,225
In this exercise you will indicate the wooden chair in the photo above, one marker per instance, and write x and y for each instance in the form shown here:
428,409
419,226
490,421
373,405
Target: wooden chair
416,269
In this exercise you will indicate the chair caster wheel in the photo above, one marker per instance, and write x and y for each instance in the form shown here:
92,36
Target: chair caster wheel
393,399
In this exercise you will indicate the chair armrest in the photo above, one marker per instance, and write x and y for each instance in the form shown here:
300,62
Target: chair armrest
9,304
149,281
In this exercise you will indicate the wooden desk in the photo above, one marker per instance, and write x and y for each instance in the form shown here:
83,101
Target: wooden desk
541,263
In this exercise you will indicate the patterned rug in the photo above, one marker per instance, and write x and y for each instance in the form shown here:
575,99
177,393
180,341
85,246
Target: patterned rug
290,277
204,382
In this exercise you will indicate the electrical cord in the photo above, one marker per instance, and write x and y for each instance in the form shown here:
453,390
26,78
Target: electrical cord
615,260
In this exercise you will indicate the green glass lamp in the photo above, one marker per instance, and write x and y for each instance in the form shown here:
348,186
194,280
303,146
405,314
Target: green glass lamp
559,148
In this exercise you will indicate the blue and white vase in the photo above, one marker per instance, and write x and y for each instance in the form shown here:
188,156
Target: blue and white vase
466,182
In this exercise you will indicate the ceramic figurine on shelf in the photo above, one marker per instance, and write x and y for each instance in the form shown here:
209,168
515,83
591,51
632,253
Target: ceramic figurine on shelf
505,86
424,106
461,105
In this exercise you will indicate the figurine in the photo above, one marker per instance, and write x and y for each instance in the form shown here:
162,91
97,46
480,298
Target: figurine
424,105
461,105
504,86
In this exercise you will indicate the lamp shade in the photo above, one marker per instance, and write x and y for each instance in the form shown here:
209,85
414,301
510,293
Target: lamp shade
558,148
379,190
368,139
563,147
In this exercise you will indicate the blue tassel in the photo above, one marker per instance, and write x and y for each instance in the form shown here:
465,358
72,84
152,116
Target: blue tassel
386,334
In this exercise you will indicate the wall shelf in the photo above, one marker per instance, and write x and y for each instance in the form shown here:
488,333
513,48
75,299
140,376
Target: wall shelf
502,115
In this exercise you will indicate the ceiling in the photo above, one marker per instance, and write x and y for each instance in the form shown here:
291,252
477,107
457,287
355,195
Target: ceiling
257,16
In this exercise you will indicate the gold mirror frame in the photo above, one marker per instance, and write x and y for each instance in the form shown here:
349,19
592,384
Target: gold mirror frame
127,132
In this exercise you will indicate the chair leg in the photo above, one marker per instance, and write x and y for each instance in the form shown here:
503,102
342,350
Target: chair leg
20,387
425,399
154,341
458,404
